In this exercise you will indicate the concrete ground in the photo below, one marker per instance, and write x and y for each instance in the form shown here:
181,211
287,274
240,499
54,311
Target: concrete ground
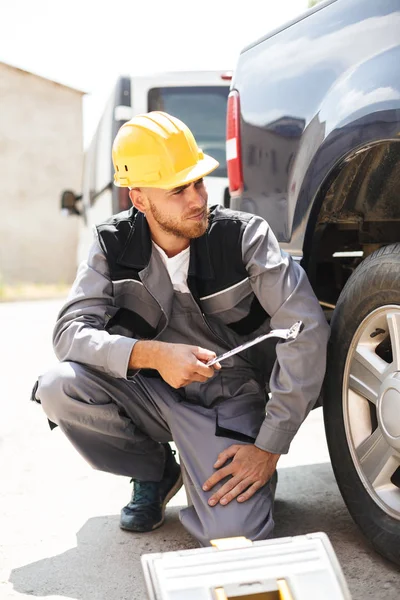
59,535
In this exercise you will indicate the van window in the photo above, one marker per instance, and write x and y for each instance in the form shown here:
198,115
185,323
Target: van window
203,110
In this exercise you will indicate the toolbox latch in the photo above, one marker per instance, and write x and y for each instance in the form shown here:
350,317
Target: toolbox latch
277,589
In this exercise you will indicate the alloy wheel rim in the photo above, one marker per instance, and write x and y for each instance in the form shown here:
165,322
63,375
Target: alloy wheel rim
371,406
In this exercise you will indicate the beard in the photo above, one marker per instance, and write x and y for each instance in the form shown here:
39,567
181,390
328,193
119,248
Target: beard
182,227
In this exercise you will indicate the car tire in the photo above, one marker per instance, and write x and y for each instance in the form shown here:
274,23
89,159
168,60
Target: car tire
362,398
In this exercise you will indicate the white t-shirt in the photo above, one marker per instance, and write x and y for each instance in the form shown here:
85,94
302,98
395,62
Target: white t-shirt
177,267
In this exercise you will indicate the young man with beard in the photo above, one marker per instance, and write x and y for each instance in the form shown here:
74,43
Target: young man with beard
168,286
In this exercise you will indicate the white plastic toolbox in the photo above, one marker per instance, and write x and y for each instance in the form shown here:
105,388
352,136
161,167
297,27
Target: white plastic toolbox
291,568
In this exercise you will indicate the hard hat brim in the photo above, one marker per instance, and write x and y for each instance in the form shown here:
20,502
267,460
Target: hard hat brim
203,167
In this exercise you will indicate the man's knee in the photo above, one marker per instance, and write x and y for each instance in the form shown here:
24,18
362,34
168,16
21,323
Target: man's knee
55,387
249,528
227,528
252,519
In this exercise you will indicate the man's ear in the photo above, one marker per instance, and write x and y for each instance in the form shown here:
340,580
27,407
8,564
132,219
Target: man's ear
138,199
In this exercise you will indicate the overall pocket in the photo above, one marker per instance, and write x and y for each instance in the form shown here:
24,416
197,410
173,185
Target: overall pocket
242,411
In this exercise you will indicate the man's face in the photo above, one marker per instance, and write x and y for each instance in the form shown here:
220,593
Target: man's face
181,212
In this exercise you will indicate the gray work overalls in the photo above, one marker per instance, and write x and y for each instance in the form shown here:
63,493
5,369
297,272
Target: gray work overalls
117,424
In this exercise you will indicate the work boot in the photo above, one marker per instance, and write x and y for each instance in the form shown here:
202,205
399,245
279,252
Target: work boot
146,509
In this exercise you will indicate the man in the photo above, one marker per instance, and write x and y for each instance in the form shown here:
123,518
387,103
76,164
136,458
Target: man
168,286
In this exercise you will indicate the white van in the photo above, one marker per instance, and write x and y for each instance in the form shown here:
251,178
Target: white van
199,99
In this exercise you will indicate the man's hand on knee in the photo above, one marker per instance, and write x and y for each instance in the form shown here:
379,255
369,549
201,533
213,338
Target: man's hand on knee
249,470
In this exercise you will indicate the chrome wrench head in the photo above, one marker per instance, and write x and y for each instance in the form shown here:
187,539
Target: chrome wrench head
287,334
295,330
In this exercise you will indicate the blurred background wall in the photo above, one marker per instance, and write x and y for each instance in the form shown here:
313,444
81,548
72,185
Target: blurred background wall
41,154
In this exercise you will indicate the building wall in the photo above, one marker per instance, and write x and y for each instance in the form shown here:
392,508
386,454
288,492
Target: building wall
41,154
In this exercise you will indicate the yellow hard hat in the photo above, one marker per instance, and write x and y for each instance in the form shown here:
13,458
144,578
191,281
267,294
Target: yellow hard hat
158,150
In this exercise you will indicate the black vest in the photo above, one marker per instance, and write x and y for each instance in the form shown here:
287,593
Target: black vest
216,264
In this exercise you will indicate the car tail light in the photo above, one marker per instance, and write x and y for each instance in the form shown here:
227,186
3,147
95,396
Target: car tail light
226,76
233,153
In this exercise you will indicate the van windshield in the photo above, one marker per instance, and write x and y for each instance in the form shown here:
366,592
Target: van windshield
203,110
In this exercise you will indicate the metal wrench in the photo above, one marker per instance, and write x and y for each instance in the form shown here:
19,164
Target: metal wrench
284,334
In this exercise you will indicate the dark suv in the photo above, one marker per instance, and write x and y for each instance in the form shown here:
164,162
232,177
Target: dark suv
313,146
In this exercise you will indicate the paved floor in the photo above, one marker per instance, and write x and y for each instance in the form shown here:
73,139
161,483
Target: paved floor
59,535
